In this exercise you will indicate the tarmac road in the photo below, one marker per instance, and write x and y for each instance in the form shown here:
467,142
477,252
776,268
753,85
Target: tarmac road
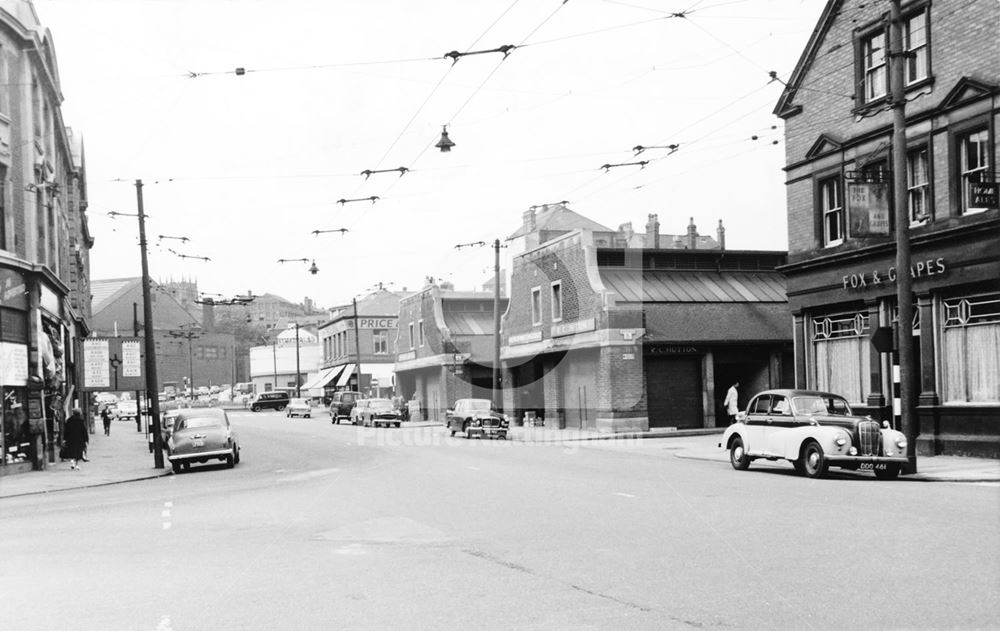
325,526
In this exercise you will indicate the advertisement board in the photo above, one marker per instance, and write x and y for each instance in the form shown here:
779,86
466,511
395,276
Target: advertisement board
113,364
868,207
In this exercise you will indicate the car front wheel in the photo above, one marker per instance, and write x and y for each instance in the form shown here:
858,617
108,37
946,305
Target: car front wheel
738,454
814,463
255,408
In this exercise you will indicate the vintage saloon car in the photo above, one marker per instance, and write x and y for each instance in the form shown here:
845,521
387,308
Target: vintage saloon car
476,417
814,431
375,412
200,435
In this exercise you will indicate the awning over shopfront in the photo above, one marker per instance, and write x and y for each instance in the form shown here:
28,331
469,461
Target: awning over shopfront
345,376
323,378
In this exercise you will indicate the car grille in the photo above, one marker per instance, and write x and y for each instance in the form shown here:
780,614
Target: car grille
491,422
869,436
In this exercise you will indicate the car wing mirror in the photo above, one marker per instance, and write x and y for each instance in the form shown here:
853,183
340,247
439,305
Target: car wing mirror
449,411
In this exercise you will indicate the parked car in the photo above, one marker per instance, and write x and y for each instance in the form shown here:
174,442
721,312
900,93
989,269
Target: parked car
342,404
127,410
375,412
167,426
814,431
476,417
270,401
200,435
299,407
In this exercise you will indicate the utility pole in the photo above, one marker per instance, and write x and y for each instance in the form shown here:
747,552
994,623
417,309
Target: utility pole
496,325
147,315
274,361
904,282
298,374
357,341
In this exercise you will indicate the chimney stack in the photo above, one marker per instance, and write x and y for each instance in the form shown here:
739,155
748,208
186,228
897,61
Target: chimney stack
722,236
208,315
692,234
653,232
529,219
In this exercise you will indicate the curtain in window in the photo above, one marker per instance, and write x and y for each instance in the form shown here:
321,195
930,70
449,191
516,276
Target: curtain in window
842,367
972,364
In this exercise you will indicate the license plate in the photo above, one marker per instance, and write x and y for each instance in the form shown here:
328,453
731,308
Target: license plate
198,443
871,466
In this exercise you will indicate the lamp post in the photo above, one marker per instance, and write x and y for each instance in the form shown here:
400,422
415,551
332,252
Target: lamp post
298,370
188,335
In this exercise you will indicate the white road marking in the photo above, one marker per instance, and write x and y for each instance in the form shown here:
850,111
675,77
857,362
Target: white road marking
473,468
168,504
164,624
625,495
165,513
166,525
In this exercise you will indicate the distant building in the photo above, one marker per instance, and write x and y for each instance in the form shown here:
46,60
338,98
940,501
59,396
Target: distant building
186,346
444,350
283,364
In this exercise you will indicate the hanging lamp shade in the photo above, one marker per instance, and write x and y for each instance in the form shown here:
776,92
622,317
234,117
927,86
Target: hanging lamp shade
312,268
445,144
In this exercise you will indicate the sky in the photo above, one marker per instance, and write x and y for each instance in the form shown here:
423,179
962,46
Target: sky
247,166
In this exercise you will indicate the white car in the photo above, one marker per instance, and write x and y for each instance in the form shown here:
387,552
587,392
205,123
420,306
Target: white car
298,407
814,431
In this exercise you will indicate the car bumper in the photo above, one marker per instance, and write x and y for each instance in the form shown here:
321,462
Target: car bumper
838,459
200,455
492,432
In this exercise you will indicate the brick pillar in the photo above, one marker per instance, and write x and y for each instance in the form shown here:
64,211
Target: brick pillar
799,349
508,392
552,384
621,390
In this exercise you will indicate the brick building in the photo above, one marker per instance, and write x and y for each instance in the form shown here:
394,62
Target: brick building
618,331
445,347
186,346
841,261
44,245
368,331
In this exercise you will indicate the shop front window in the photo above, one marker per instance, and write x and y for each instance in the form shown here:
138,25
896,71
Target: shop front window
841,354
16,438
971,353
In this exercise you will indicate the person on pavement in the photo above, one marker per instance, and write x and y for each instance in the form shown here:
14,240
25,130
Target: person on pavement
106,419
732,407
76,437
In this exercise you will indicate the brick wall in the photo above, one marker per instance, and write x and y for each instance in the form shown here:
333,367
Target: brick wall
964,41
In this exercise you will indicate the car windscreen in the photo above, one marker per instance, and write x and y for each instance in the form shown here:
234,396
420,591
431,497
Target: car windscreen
301,402
381,405
198,421
813,405
478,405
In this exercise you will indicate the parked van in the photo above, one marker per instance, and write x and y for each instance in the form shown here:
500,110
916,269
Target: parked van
277,400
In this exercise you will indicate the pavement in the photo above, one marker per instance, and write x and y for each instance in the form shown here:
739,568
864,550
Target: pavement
124,457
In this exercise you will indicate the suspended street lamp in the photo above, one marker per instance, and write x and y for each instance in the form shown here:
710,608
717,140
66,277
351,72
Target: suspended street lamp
445,144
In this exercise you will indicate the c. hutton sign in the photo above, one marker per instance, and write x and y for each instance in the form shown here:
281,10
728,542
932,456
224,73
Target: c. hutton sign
922,269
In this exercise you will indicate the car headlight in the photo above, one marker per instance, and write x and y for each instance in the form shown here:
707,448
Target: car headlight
841,440
477,422
901,443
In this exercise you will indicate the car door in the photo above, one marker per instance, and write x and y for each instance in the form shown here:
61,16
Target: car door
757,418
779,424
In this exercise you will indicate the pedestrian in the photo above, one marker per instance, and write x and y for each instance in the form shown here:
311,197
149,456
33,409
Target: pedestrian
106,419
730,403
76,437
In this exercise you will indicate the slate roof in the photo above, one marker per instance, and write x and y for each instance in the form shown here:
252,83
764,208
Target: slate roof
558,217
102,292
469,323
652,286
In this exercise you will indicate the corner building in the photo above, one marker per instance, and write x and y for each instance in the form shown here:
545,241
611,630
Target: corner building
605,336
841,262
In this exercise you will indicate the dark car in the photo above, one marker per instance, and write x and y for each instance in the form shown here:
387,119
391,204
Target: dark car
200,435
270,401
814,431
342,404
476,417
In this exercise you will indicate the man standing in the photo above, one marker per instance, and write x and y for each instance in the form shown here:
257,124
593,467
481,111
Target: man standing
106,419
732,407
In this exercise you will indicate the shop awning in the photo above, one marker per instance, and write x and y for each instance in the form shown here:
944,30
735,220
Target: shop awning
324,377
346,375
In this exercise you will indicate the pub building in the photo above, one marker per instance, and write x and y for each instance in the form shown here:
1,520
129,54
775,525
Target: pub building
617,332
841,274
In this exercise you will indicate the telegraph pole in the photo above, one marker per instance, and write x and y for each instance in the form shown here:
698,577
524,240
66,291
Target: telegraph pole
147,314
496,325
357,340
904,282
298,374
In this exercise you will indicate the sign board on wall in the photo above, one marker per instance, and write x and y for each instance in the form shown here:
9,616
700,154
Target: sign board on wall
13,364
984,195
113,363
868,205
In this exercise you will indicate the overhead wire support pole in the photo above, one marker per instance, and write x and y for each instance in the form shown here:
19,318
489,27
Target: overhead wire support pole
904,283
147,314
455,55
496,392
357,341
372,199
641,164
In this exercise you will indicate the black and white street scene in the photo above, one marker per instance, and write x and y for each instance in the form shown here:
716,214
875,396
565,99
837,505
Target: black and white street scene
561,314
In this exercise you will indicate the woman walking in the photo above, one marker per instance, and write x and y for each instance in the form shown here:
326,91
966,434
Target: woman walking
76,437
